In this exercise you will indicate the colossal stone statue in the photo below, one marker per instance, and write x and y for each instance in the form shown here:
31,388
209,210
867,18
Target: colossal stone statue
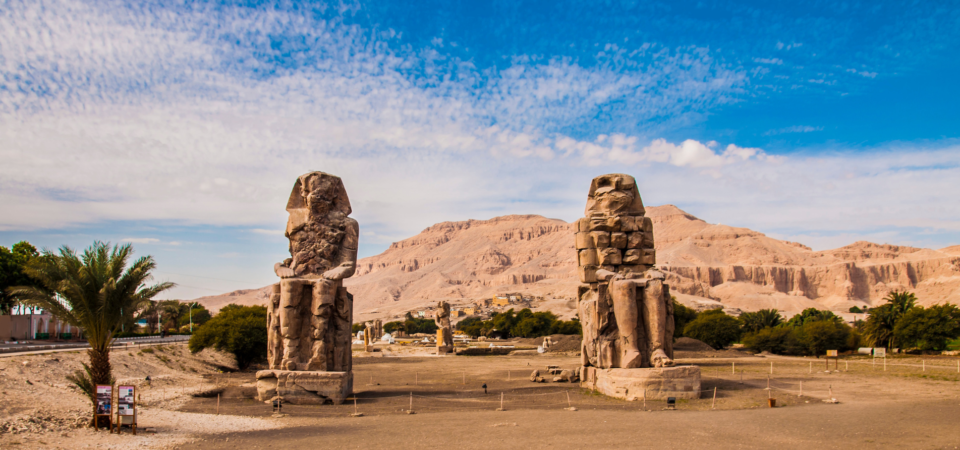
309,315
624,306
444,332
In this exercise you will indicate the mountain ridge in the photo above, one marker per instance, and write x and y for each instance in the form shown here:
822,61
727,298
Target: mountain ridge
707,265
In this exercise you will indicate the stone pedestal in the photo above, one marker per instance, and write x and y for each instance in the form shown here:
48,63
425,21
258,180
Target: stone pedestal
682,382
303,387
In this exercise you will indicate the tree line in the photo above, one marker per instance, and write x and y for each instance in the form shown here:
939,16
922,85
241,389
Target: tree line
523,324
899,322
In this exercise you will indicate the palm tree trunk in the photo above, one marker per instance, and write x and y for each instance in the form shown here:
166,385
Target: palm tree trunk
100,370
100,373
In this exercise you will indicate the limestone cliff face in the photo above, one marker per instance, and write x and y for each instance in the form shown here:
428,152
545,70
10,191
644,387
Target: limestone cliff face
742,268
468,260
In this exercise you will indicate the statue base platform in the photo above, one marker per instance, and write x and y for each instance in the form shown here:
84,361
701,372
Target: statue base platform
304,388
444,349
682,382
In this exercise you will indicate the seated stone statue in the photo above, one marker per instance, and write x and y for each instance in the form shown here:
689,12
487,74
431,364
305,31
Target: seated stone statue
310,313
624,306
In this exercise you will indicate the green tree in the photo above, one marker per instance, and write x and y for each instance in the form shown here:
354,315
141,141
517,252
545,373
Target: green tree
883,319
752,322
779,340
681,317
856,310
198,314
93,291
239,330
822,335
714,328
173,312
391,327
12,264
812,315
928,328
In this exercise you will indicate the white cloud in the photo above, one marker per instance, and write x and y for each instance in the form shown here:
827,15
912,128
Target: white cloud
158,132
140,240
793,129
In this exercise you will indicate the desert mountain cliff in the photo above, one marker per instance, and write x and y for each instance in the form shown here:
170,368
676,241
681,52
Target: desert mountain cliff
705,264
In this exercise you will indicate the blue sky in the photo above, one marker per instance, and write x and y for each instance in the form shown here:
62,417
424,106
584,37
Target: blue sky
181,127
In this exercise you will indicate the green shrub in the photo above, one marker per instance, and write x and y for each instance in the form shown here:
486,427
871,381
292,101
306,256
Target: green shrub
714,328
928,328
681,317
240,330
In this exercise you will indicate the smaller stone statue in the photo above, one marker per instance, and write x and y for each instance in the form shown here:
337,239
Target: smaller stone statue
444,333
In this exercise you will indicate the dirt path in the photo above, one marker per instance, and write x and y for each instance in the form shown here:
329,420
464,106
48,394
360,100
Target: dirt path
879,425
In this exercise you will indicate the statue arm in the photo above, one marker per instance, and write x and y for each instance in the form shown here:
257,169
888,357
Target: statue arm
348,253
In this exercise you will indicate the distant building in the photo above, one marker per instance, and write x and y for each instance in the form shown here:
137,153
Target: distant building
470,310
484,303
500,301
457,313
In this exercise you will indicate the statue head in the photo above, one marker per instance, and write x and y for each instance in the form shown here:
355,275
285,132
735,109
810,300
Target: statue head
614,194
321,194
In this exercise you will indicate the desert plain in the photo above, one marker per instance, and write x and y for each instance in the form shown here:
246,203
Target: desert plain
201,402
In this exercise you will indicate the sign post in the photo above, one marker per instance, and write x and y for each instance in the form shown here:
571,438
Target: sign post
104,403
836,358
127,408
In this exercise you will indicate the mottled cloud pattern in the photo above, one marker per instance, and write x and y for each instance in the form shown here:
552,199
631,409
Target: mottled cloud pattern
202,115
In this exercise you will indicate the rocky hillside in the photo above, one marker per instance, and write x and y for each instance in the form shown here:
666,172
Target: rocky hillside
705,263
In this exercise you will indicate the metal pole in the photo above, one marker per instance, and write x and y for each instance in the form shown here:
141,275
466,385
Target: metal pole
771,367
733,368
501,401
411,402
801,389
714,398
218,404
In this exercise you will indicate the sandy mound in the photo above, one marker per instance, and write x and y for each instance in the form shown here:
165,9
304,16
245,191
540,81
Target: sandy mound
561,342
686,344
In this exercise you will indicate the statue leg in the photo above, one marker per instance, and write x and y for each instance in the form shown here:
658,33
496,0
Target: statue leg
587,310
274,338
323,300
624,294
291,293
343,319
655,319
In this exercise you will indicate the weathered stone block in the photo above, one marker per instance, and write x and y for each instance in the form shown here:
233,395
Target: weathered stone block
585,240
647,225
304,388
601,239
635,239
649,256
588,274
629,223
618,240
588,257
653,383
632,256
609,256
602,223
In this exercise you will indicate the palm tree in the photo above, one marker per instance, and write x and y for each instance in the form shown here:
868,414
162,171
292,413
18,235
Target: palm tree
93,291
764,318
883,319
174,311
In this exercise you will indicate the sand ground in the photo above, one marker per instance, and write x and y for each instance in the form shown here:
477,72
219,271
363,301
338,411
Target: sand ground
915,403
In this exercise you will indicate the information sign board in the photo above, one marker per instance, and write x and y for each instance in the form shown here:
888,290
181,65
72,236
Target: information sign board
104,396
880,352
832,353
125,396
